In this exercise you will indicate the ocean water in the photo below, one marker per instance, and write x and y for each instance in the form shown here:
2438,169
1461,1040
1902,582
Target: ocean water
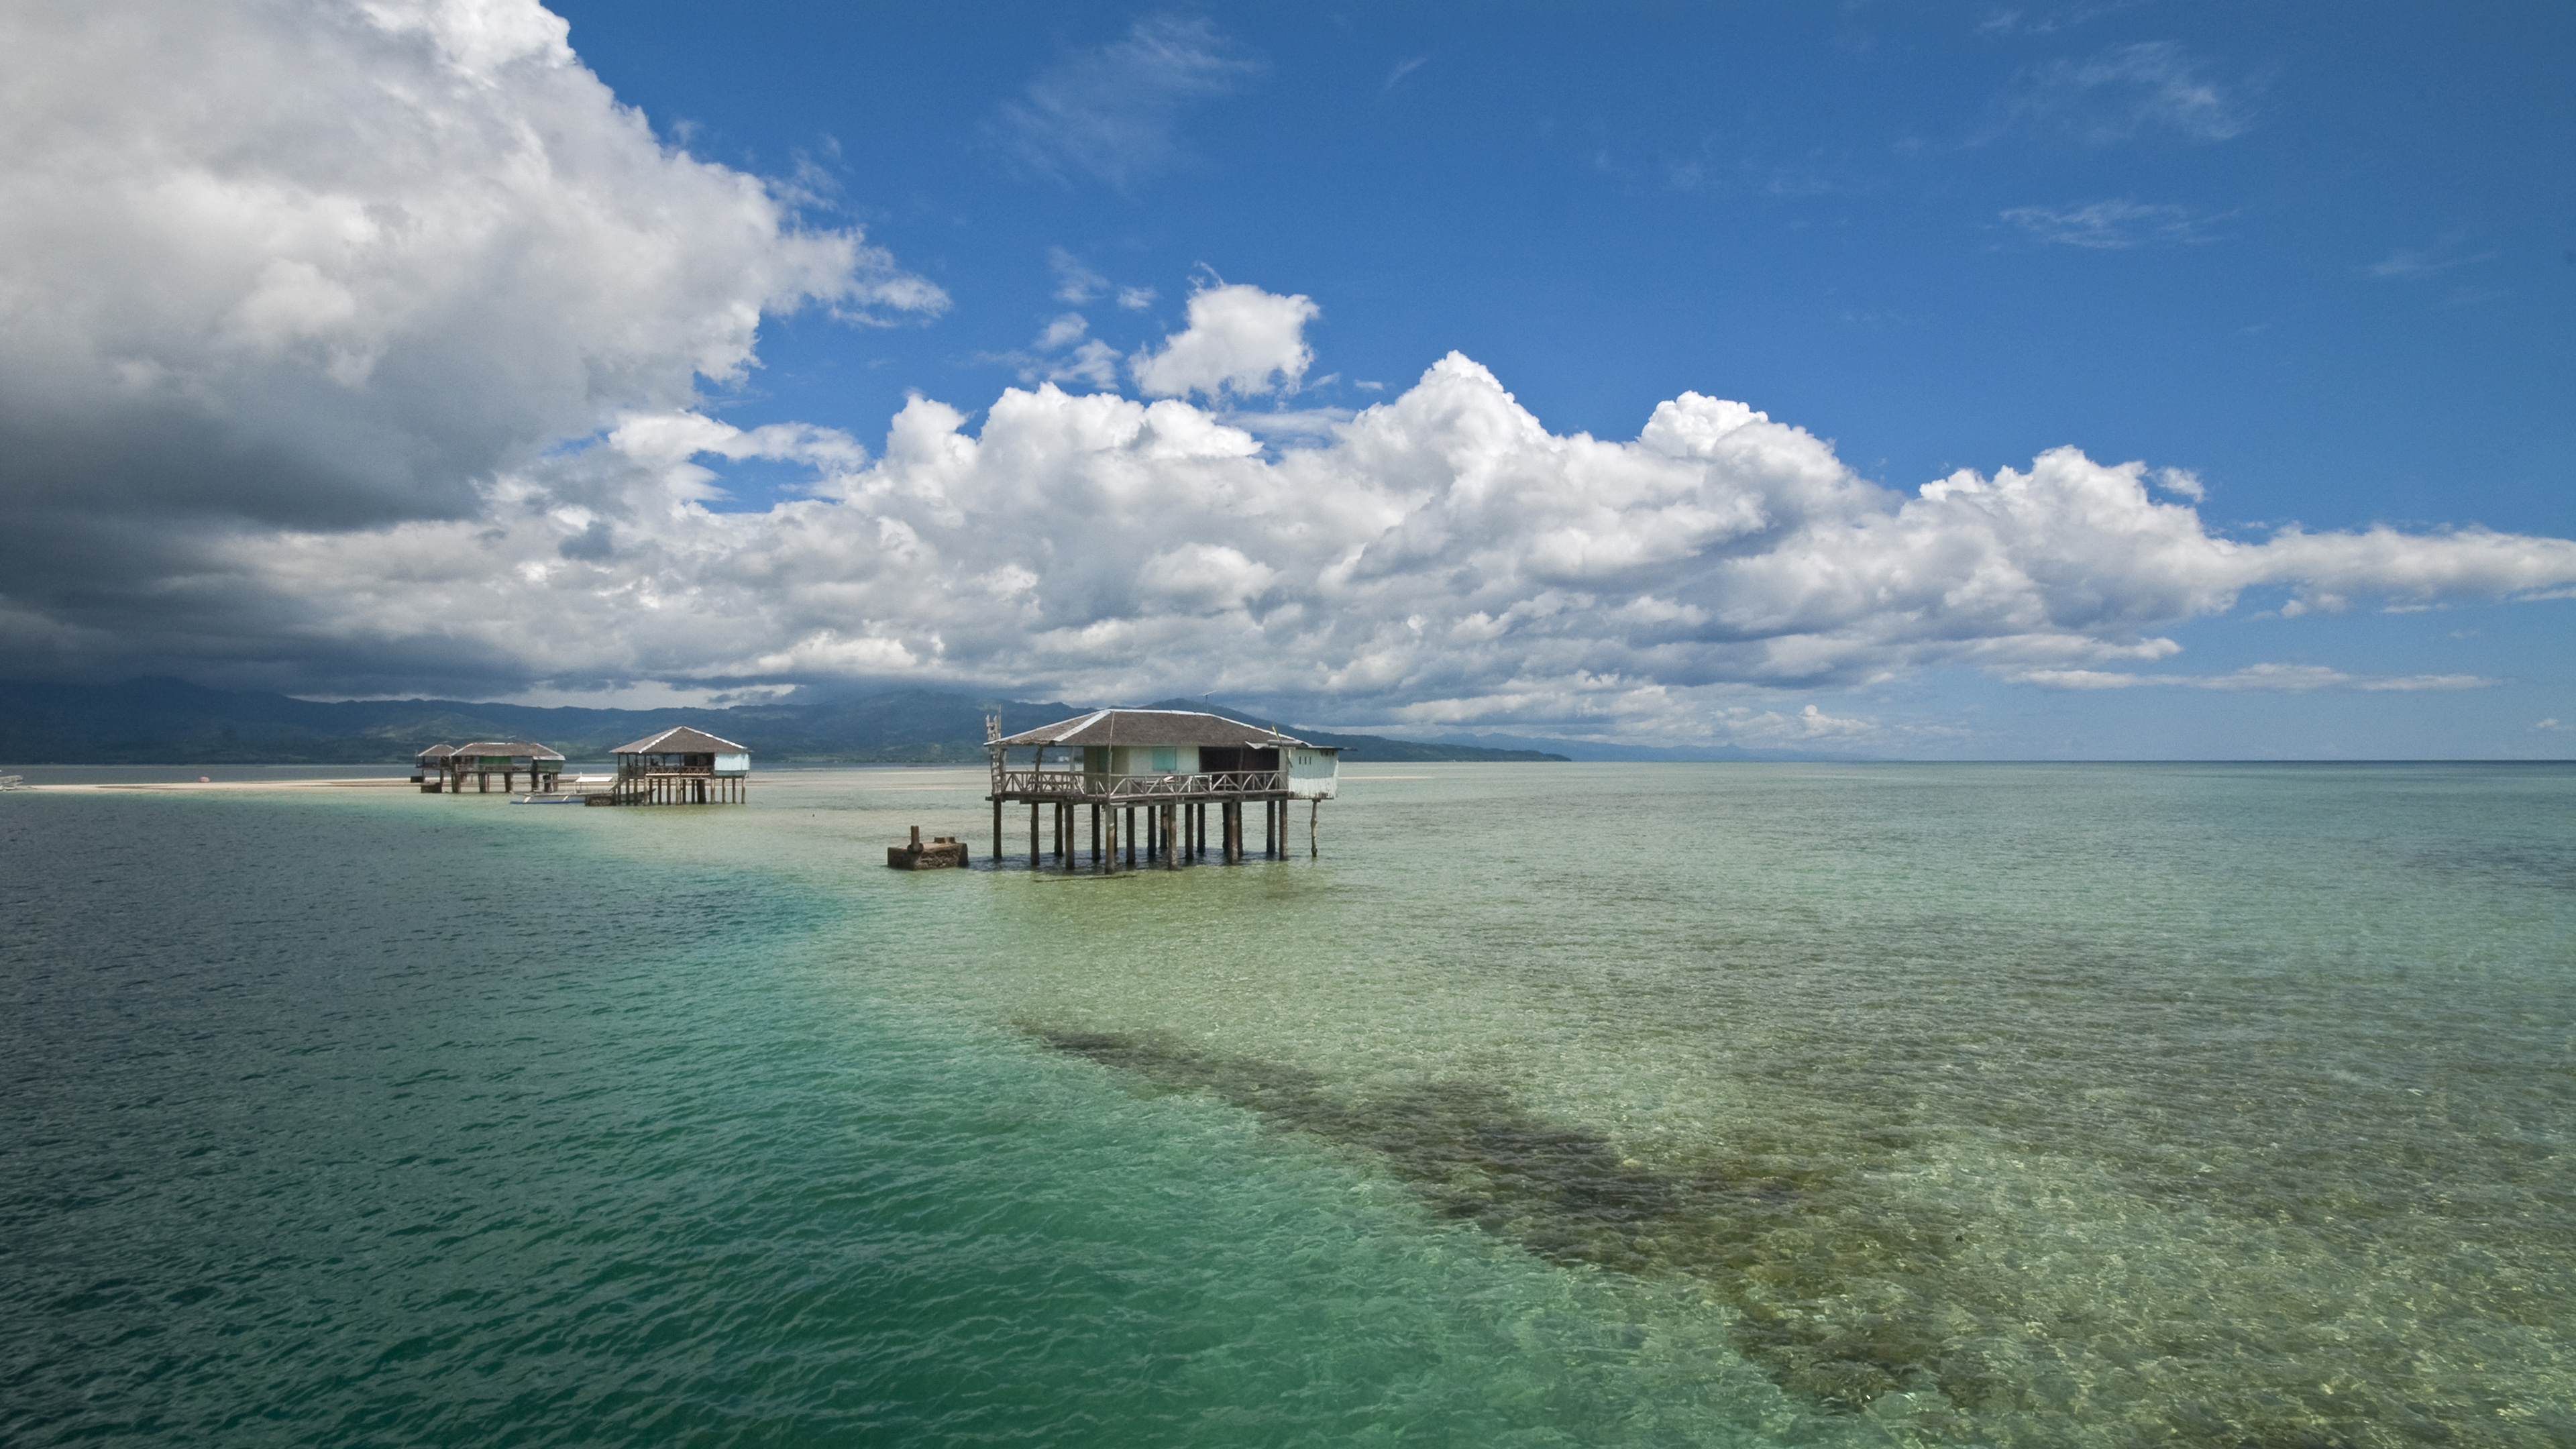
1552,1104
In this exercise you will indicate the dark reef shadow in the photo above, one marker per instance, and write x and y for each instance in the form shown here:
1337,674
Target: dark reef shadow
1567,1195
1842,1293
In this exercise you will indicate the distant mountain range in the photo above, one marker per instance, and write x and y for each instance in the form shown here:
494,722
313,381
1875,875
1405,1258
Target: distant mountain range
1593,750
170,721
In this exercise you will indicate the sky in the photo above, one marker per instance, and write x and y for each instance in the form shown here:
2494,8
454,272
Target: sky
2088,381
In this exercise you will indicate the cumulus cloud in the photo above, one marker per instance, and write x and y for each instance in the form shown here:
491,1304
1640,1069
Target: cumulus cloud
338,264
1438,558
1064,352
1240,340
2183,482
1113,112
388,382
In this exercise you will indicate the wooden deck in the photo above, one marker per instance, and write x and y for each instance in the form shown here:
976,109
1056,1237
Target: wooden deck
1092,788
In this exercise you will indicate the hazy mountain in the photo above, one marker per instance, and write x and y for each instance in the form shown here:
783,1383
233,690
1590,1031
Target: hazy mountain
1594,750
170,721
1368,747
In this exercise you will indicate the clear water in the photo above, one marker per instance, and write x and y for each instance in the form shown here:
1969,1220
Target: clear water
1604,1104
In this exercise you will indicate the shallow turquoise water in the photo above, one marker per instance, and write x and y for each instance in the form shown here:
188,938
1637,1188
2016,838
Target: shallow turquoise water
1553,1104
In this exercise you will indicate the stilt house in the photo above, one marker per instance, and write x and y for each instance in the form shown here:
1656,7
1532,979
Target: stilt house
679,766
1149,776
429,768
482,759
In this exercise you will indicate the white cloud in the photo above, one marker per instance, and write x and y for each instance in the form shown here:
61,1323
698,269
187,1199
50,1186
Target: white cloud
2110,225
1075,281
2182,482
1438,558
1090,361
1113,112
2127,89
411,404
2283,678
337,264
2552,725
2407,264
1240,339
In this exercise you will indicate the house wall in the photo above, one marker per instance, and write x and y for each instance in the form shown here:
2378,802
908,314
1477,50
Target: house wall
1153,759
1314,774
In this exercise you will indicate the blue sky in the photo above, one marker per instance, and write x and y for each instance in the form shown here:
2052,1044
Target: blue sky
2329,271
2315,271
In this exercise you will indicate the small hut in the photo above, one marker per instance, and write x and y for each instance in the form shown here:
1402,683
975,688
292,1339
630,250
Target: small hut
483,759
679,766
429,768
1168,766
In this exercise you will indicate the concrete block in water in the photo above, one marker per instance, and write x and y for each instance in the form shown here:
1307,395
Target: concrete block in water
944,852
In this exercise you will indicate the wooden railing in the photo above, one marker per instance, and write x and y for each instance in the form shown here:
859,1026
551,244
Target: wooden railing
1092,785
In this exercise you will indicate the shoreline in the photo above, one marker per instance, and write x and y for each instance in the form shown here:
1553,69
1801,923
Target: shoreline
362,782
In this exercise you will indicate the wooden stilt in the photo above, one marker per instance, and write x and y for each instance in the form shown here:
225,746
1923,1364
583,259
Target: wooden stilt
1113,842
1034,857
1314,844
1171,827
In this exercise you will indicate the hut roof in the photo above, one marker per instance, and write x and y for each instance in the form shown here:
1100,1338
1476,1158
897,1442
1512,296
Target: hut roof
436,752
529,748
1149,727
681,740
